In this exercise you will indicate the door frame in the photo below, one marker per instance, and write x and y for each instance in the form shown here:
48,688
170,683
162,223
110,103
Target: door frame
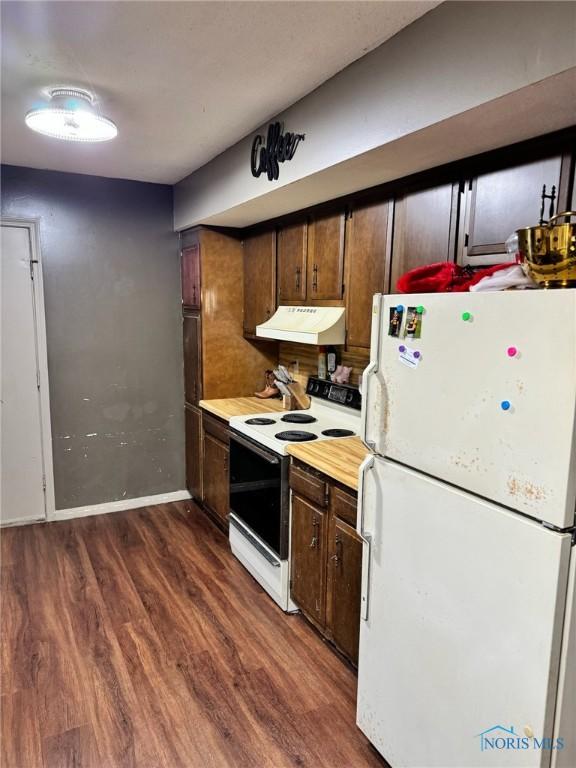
33,227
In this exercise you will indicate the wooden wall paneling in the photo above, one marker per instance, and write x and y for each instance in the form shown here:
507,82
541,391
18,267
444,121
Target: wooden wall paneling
232,365
259,280
307,357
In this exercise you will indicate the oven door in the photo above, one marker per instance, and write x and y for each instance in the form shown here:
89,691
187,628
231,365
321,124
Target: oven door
259,492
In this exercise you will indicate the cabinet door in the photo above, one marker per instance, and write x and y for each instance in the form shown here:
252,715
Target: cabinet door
501,202
193,452
344,586
292,245
259,280
190,268
216,478
308,559
367,262
424,229
326,259
192,359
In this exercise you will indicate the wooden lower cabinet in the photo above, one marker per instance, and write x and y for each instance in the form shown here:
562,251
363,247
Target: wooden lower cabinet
344,586
326,560
308,559
215,469
193,421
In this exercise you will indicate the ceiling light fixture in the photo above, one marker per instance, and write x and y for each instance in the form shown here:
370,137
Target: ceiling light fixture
71,115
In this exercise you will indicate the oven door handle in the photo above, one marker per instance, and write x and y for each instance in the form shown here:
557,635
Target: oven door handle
269,457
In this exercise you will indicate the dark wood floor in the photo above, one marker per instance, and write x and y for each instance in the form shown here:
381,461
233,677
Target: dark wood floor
136,639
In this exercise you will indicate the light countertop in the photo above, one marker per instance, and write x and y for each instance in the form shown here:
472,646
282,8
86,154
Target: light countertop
340,458
227,407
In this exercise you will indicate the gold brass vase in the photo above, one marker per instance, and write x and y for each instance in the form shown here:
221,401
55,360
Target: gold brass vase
548,252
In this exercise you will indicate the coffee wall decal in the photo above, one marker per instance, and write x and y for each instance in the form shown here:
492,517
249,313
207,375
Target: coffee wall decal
279,147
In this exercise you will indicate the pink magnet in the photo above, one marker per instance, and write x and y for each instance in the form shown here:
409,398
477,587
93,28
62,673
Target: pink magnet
512,351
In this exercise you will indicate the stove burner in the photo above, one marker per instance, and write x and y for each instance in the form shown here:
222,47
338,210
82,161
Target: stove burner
337,432
260,421
296,435
298,418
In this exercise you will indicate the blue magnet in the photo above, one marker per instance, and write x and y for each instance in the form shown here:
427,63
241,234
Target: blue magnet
505,405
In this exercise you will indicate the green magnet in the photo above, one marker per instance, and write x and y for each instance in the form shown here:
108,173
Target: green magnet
420,309
466,316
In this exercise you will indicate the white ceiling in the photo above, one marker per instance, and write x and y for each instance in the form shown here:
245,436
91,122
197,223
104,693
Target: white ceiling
182,80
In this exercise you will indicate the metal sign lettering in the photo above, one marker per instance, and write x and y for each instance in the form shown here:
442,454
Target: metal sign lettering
279,147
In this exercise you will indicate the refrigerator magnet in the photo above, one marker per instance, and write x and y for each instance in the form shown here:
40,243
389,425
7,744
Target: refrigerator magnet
395,322
409,357
413,325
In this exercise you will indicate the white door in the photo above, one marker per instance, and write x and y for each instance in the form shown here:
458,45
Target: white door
485,398
463,628
21,449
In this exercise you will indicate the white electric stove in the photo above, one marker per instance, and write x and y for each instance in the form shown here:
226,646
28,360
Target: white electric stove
259,490
324,420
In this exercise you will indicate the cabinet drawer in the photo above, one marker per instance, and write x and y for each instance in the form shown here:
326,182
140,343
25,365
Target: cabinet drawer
344,505
308,485
216,428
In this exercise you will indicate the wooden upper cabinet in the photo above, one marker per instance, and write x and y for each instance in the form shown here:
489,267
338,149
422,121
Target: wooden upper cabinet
192,359
344,587
424,229
308,559
190,271
325,281
292,247
367,263
259,280
498,203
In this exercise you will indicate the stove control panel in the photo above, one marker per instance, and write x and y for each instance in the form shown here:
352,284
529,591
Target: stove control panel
344,394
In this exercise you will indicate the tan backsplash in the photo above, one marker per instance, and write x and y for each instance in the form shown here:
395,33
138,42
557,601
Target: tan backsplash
307,357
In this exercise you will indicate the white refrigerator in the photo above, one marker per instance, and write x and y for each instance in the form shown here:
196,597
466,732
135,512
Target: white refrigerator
466,511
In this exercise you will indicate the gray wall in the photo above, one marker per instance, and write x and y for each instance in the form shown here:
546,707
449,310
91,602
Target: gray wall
465,78
112,288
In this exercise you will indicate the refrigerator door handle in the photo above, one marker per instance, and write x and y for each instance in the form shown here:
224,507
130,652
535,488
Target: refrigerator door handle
366,537
372,367
365,587
368,372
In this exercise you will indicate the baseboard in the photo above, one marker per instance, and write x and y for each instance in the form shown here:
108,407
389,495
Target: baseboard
22,521
120,506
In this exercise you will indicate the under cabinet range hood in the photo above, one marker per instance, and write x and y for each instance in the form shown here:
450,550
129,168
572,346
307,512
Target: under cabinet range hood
306,325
